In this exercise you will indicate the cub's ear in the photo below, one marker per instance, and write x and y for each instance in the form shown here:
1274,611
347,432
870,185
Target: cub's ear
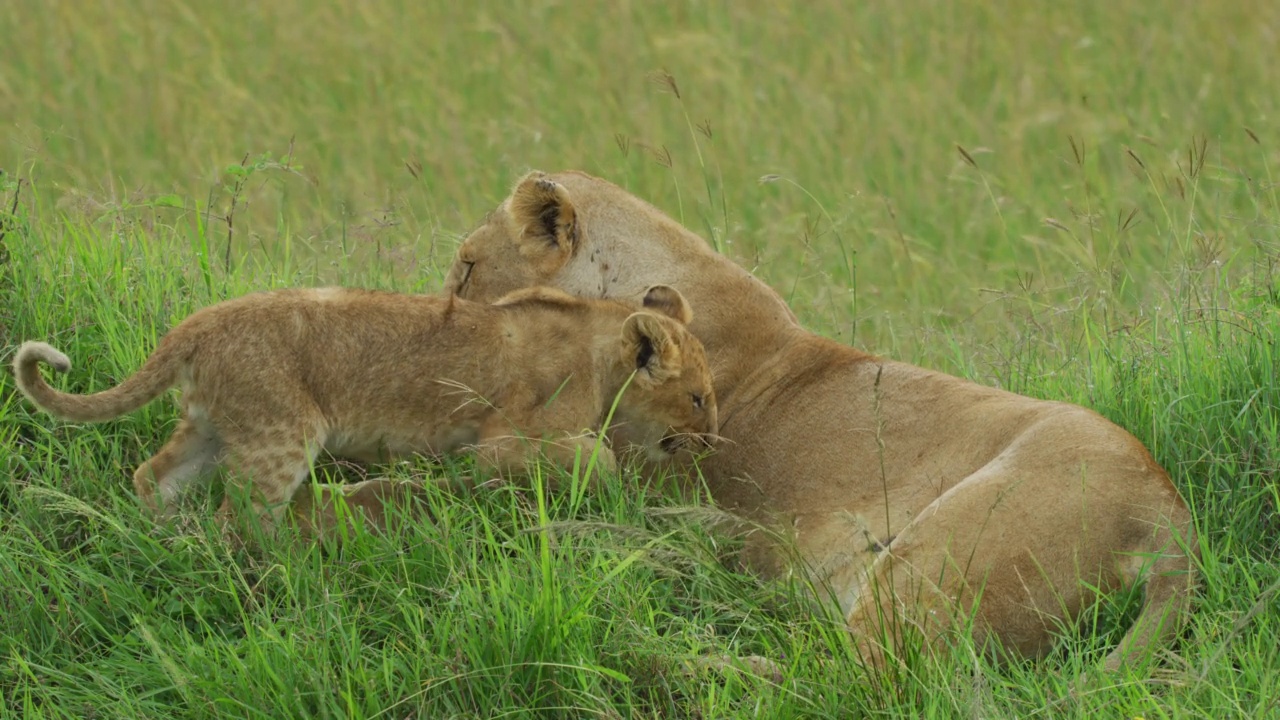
647,342
542,213
668,301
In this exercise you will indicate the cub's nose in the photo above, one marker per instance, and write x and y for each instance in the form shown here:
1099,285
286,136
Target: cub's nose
670,444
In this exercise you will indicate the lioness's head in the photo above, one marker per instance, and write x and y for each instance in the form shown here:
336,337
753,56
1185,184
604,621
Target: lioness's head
525,242
670,405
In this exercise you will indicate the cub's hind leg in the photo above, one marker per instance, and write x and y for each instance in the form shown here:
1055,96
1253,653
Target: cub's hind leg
189,456
268,464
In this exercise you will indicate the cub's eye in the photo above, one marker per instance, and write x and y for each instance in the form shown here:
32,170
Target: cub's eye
697,401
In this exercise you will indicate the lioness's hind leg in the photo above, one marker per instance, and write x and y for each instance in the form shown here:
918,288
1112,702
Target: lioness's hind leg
1170,584
189,456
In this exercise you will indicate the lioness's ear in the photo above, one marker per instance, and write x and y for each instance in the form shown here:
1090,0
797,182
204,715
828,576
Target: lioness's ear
668,301
542,212
647,342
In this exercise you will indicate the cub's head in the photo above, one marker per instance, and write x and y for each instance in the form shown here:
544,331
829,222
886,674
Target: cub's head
526,241
670,405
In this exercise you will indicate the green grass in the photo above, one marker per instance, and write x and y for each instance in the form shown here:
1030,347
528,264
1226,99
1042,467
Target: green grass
1074,201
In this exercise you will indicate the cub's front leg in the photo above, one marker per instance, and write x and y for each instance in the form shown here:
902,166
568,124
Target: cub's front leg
377,500
504,449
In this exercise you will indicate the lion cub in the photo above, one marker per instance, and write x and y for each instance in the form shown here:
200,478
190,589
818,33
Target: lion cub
271,379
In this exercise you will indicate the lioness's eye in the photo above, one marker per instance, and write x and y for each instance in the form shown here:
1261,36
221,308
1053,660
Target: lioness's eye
697,401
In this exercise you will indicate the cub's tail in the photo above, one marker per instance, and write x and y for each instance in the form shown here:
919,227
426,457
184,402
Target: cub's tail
158,373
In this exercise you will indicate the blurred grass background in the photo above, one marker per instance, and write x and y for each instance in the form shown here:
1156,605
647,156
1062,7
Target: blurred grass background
1086,124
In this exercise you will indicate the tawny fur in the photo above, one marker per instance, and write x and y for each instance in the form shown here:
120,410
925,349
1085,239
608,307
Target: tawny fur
272,379
903,490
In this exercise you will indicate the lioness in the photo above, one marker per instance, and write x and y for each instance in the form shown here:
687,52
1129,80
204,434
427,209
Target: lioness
931,489
271,379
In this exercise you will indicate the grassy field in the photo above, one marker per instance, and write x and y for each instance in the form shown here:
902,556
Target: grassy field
1074,201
